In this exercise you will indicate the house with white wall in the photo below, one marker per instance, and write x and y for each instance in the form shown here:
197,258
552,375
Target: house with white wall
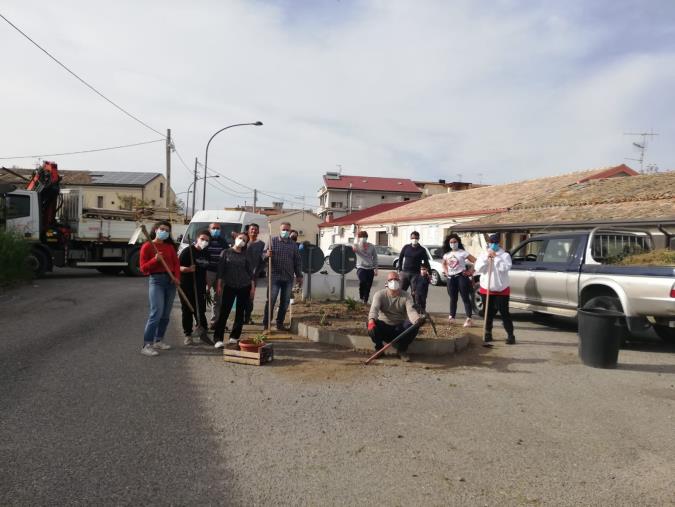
341,194
435,216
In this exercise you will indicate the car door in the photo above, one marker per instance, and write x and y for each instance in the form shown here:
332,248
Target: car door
525,261
557,271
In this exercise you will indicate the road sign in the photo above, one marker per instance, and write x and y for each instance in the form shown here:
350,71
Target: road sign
342,259
312,259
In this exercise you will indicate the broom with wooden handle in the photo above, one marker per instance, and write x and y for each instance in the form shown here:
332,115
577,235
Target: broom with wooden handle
487,302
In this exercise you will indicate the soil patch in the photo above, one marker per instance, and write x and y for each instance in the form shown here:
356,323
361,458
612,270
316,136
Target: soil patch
351,317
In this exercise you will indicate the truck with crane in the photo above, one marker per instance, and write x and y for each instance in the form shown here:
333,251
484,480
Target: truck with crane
63,233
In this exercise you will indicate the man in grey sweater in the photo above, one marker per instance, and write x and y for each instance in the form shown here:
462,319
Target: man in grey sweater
391,313
366,264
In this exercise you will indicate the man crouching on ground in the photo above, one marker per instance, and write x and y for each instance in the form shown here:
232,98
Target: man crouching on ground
391,313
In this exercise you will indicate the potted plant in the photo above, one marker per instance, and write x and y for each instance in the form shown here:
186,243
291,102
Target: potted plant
253,344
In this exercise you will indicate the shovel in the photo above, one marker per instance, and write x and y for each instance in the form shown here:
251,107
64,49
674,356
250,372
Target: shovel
182,295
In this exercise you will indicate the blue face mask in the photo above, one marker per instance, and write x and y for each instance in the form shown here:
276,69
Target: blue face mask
284,234
162,234
494,246
215,233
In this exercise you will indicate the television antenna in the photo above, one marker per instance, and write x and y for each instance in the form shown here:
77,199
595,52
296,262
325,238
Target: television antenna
642,146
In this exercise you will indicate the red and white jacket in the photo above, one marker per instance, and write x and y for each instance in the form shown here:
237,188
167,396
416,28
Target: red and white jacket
499,280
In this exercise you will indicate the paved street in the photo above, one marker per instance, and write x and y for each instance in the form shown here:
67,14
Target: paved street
85,419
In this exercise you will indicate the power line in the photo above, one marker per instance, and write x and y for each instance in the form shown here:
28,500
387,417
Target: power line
84,151
211,184
120,108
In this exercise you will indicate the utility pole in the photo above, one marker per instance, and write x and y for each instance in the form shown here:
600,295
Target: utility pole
167,193
641,146
255,199
194,190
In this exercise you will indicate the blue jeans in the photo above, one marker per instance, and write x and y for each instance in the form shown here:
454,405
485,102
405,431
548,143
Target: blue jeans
161,293
285,286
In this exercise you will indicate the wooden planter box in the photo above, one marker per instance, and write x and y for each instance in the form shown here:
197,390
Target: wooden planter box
264,355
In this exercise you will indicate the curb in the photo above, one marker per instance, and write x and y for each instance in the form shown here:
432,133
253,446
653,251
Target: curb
422,346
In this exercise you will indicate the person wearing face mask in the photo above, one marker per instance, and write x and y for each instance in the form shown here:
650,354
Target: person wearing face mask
392,312
500,261
217,244
235,281
161,288
366,264
411,259
286,266
455,268
194,262
254,252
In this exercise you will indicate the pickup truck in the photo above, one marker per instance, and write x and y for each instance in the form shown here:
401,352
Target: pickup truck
559,273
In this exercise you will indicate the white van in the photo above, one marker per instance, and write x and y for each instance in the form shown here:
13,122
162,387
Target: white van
230,221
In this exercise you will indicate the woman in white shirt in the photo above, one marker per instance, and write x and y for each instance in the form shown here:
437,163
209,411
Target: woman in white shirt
455,266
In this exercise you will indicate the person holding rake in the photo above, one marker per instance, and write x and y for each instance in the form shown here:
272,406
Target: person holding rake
494,265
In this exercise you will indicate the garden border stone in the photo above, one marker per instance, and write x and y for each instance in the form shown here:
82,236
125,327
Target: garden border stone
423,346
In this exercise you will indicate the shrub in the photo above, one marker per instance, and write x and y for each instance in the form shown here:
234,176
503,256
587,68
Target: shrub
655,258
14,252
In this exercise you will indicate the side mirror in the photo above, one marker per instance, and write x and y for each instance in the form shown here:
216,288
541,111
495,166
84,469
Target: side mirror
180,238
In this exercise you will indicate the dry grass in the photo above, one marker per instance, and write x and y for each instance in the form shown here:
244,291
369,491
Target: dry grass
655,258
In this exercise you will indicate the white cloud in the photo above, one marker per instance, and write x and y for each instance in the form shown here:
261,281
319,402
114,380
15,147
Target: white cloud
426,89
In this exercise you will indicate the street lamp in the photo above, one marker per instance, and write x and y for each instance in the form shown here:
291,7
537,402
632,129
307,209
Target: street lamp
206,155
195,189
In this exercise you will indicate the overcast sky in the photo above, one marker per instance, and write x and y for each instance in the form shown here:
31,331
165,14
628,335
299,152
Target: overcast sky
494,91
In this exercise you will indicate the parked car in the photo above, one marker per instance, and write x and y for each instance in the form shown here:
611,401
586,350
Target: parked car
435,253
559,273
387,257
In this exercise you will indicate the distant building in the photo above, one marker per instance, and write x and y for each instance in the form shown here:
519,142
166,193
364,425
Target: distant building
429,188
305,222
341,194
111,190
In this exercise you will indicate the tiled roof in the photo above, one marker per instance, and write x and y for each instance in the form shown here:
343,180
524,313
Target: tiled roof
353,218
614,199
112,178
491,199
370,183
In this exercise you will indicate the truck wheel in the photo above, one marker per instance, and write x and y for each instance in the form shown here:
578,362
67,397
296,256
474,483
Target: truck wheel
37,262
667,334
477,302
109,270
133,266
435,277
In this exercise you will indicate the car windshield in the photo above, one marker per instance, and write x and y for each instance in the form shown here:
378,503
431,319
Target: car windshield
436,251
227,228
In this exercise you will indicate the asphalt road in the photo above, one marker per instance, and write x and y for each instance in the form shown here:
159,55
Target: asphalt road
85,419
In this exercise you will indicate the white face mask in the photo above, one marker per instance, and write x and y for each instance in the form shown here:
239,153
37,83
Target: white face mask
454,246
202,244
239,243
393,284
414,241
363,241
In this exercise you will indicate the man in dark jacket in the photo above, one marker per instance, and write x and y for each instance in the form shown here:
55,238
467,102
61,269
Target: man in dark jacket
193,262
411,259
217,244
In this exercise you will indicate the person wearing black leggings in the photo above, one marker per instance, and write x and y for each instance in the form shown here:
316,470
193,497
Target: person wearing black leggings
455,267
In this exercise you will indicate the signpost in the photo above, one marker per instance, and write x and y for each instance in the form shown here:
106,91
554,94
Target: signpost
342,260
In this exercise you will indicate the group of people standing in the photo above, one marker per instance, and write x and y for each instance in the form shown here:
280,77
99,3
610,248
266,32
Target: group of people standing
209,262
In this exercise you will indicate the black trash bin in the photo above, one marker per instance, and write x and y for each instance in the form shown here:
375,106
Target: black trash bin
600,333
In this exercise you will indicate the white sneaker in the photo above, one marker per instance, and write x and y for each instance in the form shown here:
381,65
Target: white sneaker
219,345
188,340
468,323
147,350
160,345
232,341
451,320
